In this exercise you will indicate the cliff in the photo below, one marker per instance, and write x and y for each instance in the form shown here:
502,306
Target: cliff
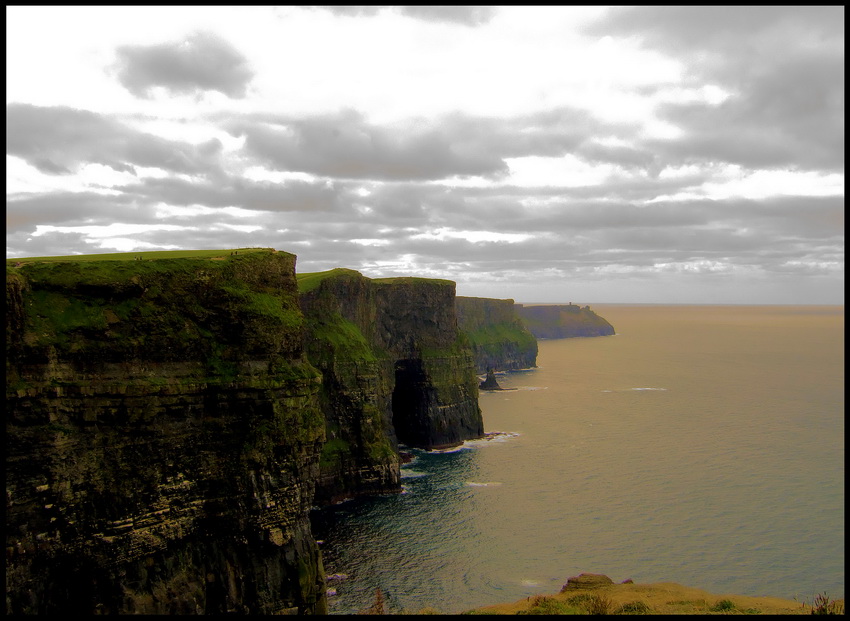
499,338
558,321
163,436
395,369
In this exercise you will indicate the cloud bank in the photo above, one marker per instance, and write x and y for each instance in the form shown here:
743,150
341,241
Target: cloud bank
723,182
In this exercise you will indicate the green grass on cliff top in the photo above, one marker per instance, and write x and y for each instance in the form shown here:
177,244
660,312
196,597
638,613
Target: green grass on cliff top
309,281
400,280
131,256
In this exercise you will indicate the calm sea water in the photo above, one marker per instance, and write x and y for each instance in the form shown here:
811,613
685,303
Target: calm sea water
702,445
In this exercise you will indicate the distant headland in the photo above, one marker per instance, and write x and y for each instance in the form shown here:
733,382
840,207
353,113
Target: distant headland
558,321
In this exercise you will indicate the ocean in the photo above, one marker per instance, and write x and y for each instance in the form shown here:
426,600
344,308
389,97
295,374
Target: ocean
702,445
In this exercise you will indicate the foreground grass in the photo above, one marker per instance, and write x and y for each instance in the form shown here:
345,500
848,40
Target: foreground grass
661,598
657,598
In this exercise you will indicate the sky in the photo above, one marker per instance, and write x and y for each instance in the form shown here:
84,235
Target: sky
684,155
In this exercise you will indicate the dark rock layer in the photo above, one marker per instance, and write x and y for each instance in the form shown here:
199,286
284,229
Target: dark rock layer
163,434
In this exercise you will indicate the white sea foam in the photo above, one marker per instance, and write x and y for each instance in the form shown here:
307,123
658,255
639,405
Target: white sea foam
484,484
529,583
490,436
452,449
410,473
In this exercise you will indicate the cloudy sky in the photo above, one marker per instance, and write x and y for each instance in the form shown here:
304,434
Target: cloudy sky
545,154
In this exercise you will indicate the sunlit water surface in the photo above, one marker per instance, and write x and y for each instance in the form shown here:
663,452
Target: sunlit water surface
702,445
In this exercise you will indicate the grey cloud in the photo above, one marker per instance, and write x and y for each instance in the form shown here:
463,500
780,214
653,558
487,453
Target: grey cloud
760,233
293,195
58,140
792,117
623,156
507,210
346,145
200,62
54,243
784,70
25,212
552,133
686,28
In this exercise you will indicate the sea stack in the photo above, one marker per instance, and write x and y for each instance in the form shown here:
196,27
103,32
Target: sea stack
490,383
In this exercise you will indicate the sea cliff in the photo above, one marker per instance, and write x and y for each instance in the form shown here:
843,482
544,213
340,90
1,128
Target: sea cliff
499,338
395,369
172,420
558,321
163,435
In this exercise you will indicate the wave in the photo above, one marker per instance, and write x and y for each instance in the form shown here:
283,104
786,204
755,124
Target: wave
490,436
410,473
451,449
485,484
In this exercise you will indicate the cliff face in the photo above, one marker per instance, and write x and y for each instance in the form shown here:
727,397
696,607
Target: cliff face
558,321
163,435
360,455
499,338
395,369
435,396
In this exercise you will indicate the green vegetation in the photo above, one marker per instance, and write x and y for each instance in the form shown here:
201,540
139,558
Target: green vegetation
458,347
210,308
633,608
413,280
311,280
822,605
335,452
628,598
723,605
342,336
544,605
133,256
493,338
